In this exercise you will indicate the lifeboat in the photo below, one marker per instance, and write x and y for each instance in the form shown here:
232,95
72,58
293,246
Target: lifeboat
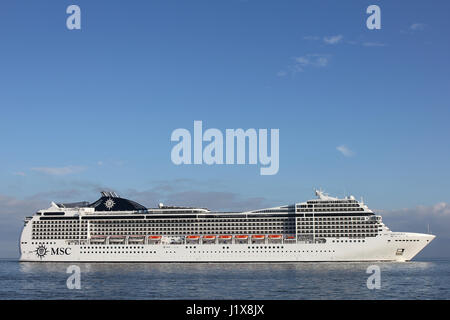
154,237
290,237
193,237
241,237
225,237
136,238
258,236
116,238
209,237
98,238
275,236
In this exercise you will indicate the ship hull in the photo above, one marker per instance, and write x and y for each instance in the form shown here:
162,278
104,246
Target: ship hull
391,246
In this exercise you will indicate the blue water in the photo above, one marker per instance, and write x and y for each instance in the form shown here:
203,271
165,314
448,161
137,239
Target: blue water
411,280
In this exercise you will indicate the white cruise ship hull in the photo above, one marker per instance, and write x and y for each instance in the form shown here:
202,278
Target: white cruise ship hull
391,246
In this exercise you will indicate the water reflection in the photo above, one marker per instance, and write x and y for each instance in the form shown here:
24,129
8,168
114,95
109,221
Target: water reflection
324,280
193,268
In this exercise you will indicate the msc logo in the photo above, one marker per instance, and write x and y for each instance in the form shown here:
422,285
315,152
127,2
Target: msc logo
41,251
60,251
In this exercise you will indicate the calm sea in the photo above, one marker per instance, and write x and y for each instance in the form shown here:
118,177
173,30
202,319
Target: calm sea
412,280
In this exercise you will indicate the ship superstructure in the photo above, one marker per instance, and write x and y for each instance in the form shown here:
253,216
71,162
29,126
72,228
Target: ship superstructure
120,230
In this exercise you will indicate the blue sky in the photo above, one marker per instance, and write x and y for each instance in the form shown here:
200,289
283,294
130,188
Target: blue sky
95,107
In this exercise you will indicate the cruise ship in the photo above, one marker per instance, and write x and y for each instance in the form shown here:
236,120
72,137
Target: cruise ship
115,229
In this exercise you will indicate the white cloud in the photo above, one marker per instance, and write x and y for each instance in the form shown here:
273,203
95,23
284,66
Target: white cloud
59,171
417,27
314,60
307,61
304,61
321,61
345,151
333,39
19,173
326,39
440,209
340,38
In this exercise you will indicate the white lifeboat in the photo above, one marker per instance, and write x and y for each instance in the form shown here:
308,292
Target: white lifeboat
98,238
116,239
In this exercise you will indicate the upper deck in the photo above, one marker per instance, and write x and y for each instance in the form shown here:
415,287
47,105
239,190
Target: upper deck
110,205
